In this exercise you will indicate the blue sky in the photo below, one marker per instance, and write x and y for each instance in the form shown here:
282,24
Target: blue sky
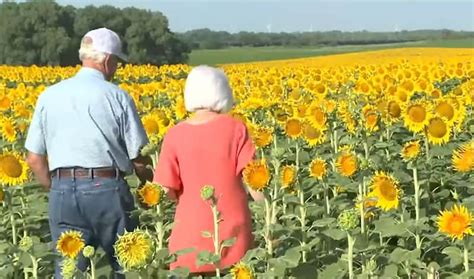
316,15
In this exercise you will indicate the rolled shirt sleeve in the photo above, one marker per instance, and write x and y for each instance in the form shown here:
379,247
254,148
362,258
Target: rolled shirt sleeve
134,134
35,139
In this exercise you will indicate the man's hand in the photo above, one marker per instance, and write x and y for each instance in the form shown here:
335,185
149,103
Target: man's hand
39,165
143,172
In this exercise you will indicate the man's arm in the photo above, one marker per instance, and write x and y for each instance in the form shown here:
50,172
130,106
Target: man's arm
39,165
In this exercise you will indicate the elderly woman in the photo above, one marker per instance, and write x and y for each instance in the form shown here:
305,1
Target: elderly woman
210,148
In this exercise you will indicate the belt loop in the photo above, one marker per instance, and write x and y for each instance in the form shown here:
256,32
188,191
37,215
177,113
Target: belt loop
58,173
91,173
117,172
73,174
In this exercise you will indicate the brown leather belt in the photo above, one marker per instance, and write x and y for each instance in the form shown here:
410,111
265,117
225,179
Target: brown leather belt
87,173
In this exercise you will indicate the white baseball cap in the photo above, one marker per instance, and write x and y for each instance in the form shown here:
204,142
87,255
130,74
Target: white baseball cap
106,41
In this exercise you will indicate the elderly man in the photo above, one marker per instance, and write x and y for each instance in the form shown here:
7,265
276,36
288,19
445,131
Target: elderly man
84,137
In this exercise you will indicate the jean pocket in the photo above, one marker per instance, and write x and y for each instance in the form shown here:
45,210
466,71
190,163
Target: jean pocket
55,205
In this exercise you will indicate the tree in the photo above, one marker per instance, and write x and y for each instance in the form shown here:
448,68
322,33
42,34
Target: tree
45,33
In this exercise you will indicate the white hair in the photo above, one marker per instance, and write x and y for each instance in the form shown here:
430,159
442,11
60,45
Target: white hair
207,88
87,52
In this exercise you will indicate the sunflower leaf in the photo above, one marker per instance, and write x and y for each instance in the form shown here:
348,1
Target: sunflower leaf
454,254
206,234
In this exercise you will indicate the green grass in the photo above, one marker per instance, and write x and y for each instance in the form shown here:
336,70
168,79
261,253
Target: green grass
249,54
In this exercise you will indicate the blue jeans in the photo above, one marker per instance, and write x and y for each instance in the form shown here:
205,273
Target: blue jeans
100,208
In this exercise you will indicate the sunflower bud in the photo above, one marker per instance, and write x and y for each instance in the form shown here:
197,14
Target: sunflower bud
25,243
348,220
207,192
88,251
68,268
149,149
370,266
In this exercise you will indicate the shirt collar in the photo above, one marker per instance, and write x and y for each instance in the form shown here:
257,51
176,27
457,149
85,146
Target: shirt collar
86,71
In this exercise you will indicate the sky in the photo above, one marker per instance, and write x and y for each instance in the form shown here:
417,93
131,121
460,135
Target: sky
299,16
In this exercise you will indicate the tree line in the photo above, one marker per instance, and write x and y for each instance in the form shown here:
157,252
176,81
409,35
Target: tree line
45,33
208,39
42,32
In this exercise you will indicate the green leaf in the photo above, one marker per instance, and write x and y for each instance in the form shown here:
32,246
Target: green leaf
228,242
389,227
334,271
454,254
184,251
206,234
204,257
335,234
400,255
390,271
325,222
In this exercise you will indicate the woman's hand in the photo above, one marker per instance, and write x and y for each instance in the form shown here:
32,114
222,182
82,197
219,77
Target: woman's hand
256,195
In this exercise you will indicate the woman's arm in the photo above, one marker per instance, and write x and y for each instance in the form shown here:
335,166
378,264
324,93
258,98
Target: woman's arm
256,195
170,193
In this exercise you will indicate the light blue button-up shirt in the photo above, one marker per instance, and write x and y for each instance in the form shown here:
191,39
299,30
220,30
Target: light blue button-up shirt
86,121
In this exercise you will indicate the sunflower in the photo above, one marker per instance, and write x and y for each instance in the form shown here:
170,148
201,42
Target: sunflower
4,103
437,131
456,223
386,190
416,116
410,150
371,118
8,130
134,249
70,244
370,204
318,168
313,135
149,194
446,110
257,175
293,128
152,124
463,158
287,176
262,136
13,169
242,271
316,116
346,163
180,109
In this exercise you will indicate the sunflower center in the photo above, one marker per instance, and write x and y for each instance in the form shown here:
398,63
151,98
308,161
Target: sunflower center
311,133
394,109
11,166
446,110
437,128
417,113
293,127
151,126
388,191
457,224
318,169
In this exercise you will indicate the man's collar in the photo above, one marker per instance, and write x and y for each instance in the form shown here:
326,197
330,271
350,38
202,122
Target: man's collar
91,72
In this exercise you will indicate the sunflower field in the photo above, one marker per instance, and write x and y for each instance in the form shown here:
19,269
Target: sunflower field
366,161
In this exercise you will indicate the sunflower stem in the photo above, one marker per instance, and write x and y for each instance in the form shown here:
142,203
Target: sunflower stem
362,209
12,218
92,267
326,197
417,195
215,216
427,149
350,254
159,227
303,224
268,222
466,255
274,198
